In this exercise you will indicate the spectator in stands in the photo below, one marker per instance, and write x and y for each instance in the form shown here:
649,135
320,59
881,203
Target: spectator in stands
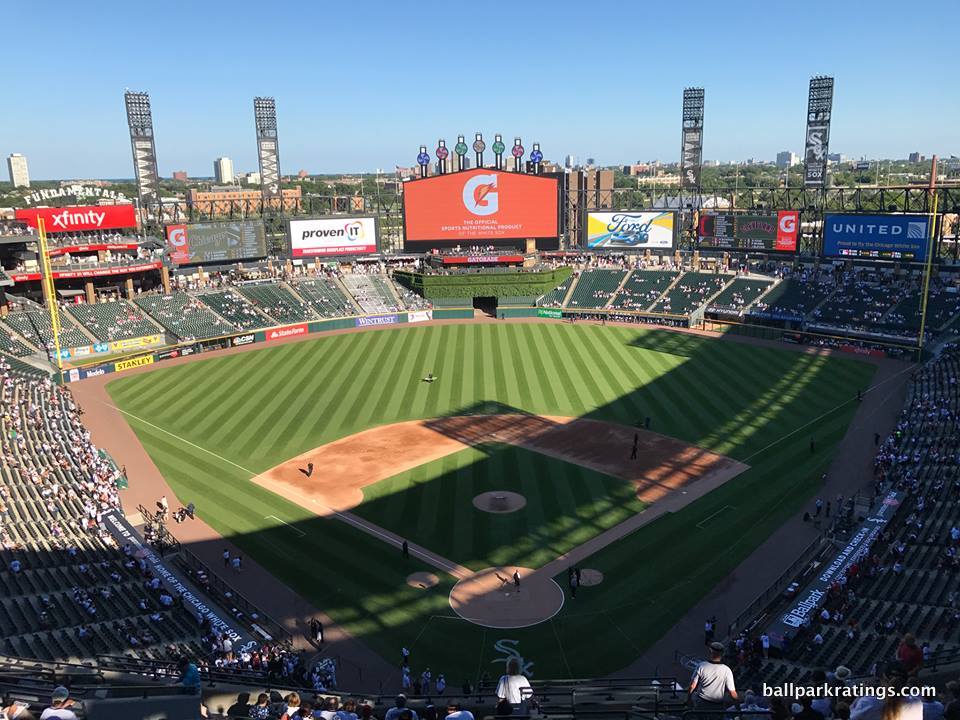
932,709
806,711
189,675
455,712
242,707
821,704
399,708
261,711
892,706
514,686
348,711
712,682
60,704
909,655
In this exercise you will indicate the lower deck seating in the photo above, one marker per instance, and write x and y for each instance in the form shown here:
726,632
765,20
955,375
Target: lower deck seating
114,320
642,288
595,288
184,316
372,293
34,325
689,292
234,308
325,297
278,302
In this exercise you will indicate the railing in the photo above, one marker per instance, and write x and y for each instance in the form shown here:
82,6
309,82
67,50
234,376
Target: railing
166,537
754,609
263,627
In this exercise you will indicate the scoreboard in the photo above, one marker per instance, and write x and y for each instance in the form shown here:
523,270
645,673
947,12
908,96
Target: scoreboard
773,232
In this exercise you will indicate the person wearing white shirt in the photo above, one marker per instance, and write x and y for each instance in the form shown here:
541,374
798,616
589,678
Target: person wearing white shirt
712,682
59,706
513,687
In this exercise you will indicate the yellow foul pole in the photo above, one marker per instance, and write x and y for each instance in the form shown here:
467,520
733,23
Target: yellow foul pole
931,239
46,278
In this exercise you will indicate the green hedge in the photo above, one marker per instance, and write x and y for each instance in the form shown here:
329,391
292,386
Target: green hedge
471,285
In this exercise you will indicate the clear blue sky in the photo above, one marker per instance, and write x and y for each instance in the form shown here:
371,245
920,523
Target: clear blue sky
359,85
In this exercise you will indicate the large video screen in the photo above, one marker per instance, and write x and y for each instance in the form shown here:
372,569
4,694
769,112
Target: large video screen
880,237
630,230
216,242
324,237
772,232
484,205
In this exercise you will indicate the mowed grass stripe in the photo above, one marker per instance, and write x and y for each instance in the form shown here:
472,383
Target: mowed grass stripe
633,370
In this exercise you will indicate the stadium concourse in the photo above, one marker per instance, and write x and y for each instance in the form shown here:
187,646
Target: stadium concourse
65,561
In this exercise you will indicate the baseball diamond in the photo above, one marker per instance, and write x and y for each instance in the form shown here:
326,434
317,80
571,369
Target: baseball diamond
550,412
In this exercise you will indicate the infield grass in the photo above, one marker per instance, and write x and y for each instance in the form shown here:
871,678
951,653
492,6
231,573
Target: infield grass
251,410
566,506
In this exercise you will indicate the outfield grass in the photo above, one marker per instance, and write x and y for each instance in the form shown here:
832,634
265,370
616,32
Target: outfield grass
432,505
258,408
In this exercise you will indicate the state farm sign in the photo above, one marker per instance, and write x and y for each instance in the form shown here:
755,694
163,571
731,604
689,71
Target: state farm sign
286,332
79,218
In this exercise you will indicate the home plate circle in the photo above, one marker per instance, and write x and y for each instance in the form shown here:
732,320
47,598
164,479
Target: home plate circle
491,598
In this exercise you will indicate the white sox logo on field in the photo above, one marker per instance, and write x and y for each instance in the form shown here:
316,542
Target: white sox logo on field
508,651
480,195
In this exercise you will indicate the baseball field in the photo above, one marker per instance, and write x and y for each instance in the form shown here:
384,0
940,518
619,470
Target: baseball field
517,457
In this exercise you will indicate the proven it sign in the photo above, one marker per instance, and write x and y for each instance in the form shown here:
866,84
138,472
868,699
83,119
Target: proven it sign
321,237
80,218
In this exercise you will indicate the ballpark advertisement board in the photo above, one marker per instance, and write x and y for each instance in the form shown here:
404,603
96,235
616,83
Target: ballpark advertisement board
216,242
882,237
773,232
324,237
630,230
285,332
480,205
80,218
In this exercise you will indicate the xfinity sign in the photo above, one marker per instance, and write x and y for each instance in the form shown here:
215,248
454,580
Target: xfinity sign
80,217
333,235
883,237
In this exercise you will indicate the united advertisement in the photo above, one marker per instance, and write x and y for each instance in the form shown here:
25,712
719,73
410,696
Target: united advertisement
485,205
630,230
883,237
325,237
773,232
216,242
80,218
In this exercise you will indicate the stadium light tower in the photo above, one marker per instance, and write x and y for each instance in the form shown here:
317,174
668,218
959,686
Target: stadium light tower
140,123
268,152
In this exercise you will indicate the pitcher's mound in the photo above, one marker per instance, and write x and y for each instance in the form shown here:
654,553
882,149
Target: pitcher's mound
422,580
491,599
499,501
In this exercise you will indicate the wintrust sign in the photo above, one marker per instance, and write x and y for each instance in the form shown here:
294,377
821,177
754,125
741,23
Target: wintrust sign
80,218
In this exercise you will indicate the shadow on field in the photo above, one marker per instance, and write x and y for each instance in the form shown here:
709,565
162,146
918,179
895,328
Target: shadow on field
727,397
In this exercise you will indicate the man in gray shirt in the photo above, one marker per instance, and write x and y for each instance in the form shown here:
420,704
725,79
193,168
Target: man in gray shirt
712,683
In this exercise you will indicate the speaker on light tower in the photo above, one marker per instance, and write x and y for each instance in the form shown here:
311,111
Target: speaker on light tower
442,155
478,147
517,152
423,160
498,148
461,150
